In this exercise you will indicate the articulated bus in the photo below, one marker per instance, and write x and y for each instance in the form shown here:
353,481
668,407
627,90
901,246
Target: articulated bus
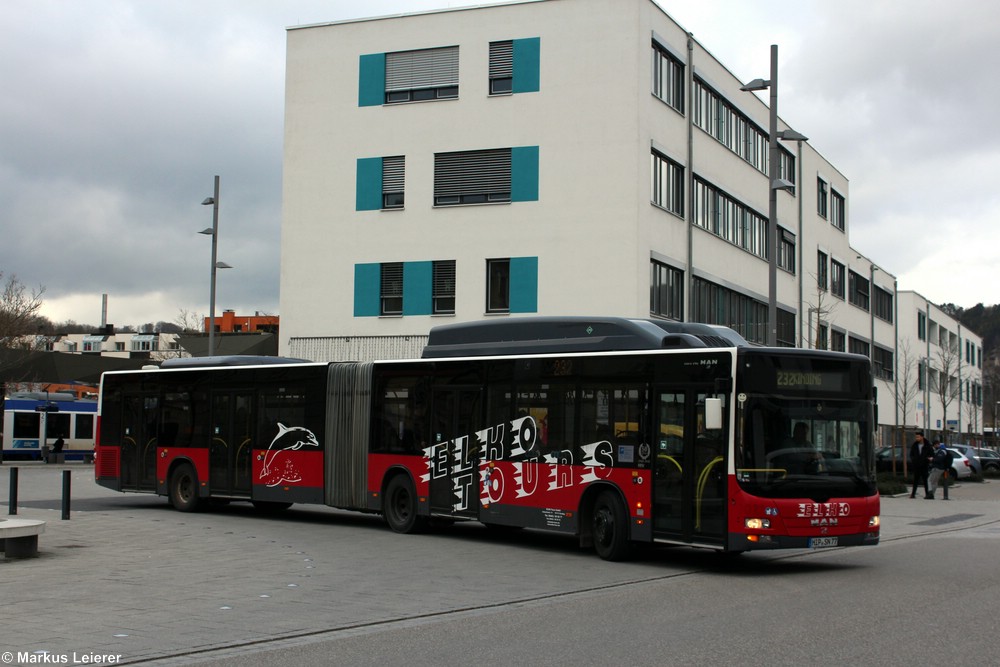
36,418
616,431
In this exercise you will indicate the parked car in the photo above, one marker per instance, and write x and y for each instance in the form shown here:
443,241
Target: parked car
971,454
960,466
884,456
989,459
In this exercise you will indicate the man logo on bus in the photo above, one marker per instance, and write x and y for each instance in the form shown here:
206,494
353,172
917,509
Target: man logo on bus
288,439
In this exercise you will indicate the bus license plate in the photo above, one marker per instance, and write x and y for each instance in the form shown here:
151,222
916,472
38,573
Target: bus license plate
819,542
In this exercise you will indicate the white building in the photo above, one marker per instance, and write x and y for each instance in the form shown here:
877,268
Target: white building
558,157
939,370
125,345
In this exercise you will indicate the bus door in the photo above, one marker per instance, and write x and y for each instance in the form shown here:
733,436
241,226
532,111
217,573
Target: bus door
140,426
454,457
689,476
231,452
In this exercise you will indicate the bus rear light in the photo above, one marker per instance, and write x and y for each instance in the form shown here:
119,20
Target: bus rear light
757,524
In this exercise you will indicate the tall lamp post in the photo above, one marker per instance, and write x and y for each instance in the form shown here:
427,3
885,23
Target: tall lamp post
774,184
213,231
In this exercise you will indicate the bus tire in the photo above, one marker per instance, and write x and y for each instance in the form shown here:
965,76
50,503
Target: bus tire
400,506
609,527
184,489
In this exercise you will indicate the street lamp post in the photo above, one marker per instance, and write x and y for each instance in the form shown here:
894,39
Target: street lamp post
774,184
213,231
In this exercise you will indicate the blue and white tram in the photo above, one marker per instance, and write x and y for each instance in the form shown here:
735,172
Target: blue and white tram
32,420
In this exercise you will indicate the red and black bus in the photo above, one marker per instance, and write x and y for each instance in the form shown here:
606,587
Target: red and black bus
617,431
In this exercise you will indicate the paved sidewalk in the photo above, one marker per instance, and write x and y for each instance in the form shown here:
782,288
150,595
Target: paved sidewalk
127,579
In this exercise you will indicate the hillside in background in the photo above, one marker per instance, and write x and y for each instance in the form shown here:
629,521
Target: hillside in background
983,320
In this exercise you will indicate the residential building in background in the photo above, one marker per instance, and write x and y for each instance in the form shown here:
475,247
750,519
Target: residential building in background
553,157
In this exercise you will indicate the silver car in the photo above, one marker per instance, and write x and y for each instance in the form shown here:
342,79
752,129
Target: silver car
970,452
961,467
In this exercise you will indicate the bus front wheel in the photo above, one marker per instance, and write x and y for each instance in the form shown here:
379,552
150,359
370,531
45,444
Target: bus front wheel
609,527
184,489
400,506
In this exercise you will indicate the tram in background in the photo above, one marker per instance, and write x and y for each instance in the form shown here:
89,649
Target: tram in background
616,431
33,419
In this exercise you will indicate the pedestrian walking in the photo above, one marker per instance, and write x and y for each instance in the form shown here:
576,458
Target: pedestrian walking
940,464
921,453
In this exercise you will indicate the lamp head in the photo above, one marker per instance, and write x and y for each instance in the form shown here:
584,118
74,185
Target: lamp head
208,201
756,84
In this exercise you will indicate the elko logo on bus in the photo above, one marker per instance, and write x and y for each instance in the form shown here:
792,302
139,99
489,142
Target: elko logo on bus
288,439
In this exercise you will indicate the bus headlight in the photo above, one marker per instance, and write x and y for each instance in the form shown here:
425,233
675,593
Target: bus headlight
874,522
757,524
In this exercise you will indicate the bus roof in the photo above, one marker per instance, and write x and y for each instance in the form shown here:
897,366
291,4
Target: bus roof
543,335
230,360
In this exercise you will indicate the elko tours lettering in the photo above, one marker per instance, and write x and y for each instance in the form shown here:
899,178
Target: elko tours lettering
515,442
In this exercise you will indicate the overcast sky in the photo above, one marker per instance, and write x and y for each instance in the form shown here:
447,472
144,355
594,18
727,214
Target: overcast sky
115,116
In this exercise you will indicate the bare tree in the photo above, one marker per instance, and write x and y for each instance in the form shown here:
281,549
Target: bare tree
972,416
822,308
948,360
18,313
189,321
907,389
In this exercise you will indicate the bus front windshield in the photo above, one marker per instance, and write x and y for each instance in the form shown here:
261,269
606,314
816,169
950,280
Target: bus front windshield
804,448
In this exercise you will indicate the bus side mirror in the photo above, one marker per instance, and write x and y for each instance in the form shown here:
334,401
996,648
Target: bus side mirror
713,413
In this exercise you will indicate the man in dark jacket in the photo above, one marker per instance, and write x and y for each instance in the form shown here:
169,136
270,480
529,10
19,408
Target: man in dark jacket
921,453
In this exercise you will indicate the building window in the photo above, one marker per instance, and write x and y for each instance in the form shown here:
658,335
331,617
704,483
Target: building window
727,218
838,341
883,363
736,132
714,304
391,289
786,167
501,67
882,302
514,66
837,286
857,290
666,291
668,78
821,197
668,184
921,326
822,337
838,211
921,376
486,177
393,169
822,270
443,287
417,76
786,250
857,346
380,183
512,285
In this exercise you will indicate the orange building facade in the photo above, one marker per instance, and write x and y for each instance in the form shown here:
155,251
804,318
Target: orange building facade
230,322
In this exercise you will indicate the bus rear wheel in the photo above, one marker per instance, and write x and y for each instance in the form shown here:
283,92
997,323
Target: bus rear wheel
184,489
609,527
400,506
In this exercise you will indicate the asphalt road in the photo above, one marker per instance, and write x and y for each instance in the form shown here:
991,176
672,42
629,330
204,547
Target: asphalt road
127,580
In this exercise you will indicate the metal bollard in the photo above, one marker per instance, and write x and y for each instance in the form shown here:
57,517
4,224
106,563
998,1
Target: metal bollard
65,494
12,503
